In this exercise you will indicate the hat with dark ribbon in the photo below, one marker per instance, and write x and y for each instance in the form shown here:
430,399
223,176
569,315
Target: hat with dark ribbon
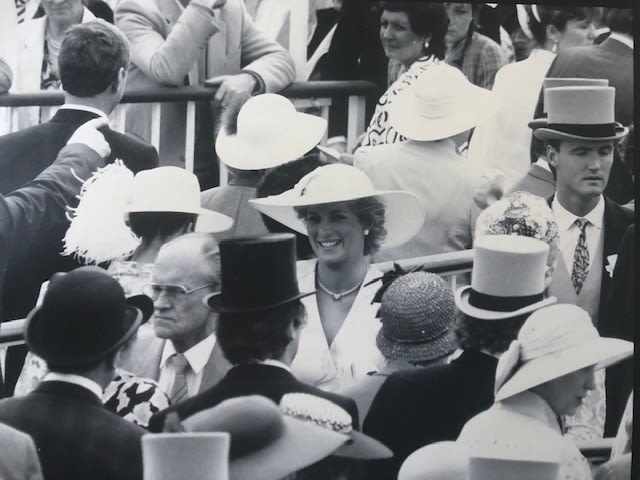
258,274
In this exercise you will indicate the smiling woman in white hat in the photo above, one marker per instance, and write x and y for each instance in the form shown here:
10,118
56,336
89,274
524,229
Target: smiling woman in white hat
346,220
546,374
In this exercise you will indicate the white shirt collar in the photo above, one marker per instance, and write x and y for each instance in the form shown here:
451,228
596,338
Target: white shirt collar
565,218
79,380
75,106
276,363
197,356
628,41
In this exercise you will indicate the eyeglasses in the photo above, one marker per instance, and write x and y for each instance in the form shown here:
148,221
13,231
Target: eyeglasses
173,292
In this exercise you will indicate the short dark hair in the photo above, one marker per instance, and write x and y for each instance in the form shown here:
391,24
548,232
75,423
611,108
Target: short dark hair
620,20
371,214
558,16
495,336
91,55
426,18
280,179
159,224
258,336
110,358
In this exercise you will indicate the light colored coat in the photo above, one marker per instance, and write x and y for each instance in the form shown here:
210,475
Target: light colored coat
19,456
444,182
31,35
167,43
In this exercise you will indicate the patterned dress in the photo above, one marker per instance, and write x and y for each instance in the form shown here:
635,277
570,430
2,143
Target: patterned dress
380,131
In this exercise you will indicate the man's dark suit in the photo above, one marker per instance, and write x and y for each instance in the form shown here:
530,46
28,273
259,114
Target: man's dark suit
417,407
612,60
24,154
75,435
616,221
253,379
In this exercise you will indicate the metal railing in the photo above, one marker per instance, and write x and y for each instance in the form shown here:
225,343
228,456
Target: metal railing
303,94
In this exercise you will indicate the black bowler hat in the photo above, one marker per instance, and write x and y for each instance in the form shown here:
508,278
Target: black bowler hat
84,317
258,273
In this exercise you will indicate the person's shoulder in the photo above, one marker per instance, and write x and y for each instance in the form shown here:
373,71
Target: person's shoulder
487,44
617,212
12,437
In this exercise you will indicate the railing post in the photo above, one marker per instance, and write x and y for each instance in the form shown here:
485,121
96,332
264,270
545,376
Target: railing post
355,125
155,125
190,137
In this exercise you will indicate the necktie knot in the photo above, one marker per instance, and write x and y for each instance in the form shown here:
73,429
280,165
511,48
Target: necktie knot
581,223
179,363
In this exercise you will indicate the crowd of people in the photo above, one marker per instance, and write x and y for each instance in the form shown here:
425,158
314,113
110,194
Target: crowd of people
285,325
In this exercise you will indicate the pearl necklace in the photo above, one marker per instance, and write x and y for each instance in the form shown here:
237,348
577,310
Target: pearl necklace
338,295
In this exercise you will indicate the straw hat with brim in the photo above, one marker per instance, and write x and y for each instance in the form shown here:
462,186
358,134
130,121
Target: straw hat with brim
507,279
326,414
417,313
83,318
257,274
270,132
404,213
580,113
173,189
437,461
440,103
265,444
553,342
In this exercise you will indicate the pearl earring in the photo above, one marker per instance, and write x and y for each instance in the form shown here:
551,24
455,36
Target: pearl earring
366,232
426,44
554,49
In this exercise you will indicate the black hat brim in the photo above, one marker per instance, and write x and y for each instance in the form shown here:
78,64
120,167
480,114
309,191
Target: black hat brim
216,303
40,345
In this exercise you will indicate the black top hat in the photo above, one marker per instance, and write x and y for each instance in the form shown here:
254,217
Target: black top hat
258,273
84,317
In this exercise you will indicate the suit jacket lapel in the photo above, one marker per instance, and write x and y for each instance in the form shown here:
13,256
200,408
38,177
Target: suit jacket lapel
215,369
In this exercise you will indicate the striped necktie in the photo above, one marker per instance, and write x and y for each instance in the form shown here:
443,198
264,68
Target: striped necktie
181,368
580,257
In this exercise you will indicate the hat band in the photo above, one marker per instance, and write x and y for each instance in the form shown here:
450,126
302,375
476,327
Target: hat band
416,340
591,130
502,304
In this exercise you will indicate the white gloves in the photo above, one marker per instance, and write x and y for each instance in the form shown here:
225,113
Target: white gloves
87,134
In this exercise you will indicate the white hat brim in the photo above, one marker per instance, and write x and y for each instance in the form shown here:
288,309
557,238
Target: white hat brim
298,136
544,133
404,213
601,352
462,302
301,445
405,115
208,221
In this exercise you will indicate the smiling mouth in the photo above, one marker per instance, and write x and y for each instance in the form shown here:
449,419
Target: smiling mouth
329,243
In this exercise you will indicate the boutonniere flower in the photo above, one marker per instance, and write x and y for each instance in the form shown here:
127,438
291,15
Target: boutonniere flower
611,263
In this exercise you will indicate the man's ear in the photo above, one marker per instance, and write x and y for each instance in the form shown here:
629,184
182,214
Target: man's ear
552,156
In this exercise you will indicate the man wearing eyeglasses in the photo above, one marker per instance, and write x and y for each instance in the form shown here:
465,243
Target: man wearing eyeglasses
180,349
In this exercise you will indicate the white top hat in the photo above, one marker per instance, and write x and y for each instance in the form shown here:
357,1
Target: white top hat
404,213
437,461
270,132
440,103
579,113
196,456
570,82
508,278
553,342
173,189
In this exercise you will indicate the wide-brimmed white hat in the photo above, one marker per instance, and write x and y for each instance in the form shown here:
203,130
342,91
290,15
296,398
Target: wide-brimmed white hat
265,443
437,461
508,278
404,213
555,341
579,113
270,132
173,189
440,103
